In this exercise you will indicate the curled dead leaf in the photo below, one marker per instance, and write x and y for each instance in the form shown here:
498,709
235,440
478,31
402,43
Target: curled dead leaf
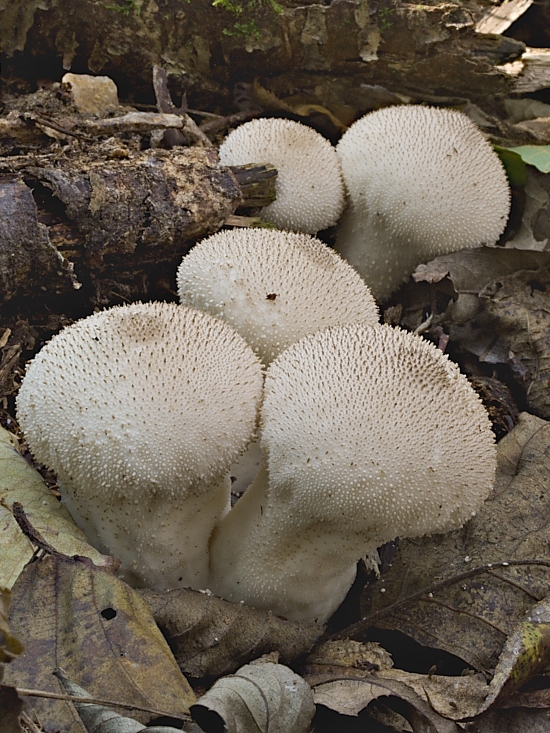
259,698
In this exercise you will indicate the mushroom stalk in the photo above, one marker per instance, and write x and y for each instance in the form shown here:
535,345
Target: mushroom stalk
368,433
141,410
421,182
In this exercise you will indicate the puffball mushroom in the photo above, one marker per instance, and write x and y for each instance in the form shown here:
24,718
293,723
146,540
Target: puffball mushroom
309,188
369,433
273,287
140,410
421,182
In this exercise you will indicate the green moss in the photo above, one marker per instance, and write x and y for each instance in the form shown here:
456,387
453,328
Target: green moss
124,7
385,22
239,8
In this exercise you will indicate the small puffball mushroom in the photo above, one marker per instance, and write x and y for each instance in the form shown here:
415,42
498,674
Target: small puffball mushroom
140,410
273,287
309,188
421,182
369,433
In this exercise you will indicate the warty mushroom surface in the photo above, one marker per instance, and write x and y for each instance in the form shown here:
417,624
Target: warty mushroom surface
421,182
368,433
273,287
140,410
309,188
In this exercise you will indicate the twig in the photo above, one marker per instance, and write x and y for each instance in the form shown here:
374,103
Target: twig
191,131
97,701
29,724
42,546
222,122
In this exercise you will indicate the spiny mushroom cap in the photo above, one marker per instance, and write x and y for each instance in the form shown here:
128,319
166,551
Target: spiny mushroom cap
149,397
422,182
373,430
309,188
273,287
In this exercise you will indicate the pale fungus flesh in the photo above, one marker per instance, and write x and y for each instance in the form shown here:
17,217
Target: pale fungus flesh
140,410
309,189
368,433
273,287
421,182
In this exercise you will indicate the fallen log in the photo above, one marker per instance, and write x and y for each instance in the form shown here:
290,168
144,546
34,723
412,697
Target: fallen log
95,219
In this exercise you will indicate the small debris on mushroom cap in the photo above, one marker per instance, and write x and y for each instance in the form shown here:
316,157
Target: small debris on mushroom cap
273,287
422,182
140,410
369,433
309,188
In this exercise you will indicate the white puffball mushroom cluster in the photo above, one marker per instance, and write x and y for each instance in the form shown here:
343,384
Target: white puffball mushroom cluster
369,433
273,287
421,182
309,188
140,410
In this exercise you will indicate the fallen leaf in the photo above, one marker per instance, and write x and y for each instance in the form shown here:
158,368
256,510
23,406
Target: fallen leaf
466,591
502,313
271,102
511,721
259,698
211,637
454,698
10,647
350,697
520,307
536,155
19,482
100,719
526,652
70,614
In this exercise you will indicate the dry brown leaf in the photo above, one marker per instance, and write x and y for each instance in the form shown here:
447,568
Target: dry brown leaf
271,102
520,306
10,647
454,698
502,313
19,482
351,696
461,592
101,719
259,698
212,637
511,721
70,614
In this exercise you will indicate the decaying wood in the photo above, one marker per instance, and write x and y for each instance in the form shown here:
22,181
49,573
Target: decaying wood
331,50
92,218
530,73
29,127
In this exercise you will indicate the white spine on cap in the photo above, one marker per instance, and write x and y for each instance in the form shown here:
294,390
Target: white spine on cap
309,188
369,433
273,287
421,182
140,410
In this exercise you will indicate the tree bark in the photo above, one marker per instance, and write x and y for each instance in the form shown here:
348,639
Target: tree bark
337,51
94,219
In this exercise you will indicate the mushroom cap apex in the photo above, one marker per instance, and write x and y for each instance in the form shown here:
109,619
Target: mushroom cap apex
309,187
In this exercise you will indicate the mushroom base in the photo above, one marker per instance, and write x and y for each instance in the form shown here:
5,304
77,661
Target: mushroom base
161,545
288,568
